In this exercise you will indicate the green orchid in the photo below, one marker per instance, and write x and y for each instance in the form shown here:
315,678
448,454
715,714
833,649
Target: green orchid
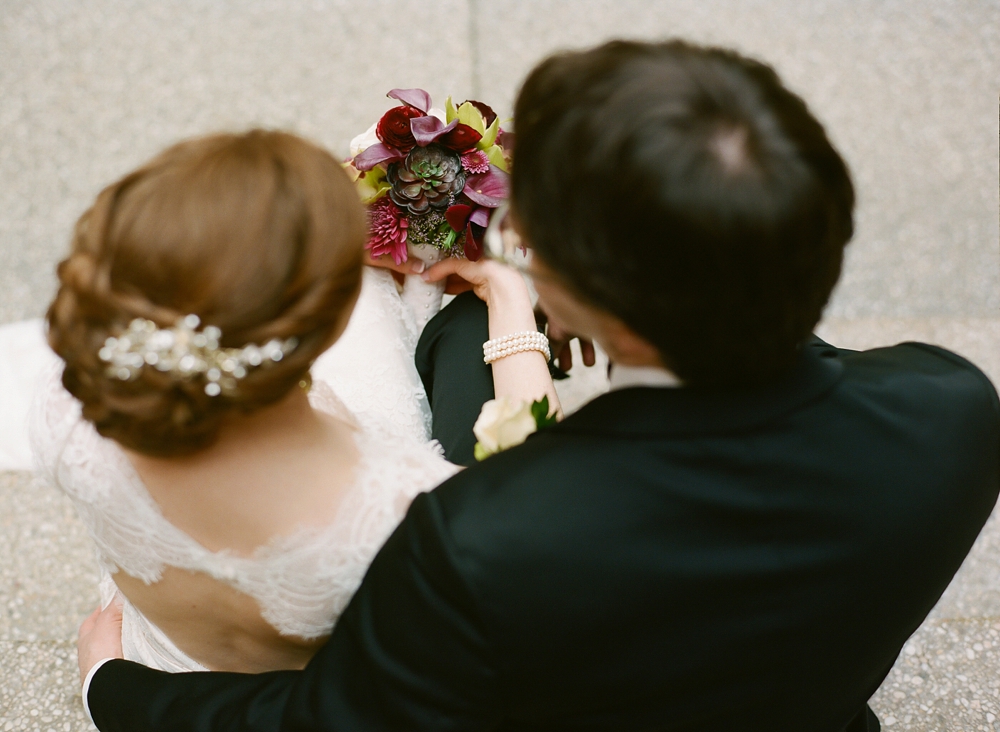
496,157
489,136
371,185
466,114
450,110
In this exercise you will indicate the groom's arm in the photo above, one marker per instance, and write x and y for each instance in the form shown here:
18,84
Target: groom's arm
127,696
409,653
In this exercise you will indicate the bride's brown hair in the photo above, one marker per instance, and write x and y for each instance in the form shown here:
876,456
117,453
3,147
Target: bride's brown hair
260,234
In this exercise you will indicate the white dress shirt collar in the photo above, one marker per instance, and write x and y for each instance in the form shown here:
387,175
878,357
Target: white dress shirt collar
623,377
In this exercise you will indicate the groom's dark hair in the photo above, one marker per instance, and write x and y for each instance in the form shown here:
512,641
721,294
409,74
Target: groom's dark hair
689,193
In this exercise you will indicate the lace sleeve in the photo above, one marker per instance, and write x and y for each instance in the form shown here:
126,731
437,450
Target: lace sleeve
128,530
54,413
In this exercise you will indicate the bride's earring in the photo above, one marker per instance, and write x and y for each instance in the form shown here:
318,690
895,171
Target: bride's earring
306,382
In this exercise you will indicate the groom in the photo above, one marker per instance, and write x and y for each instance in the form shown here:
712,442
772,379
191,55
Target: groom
741,535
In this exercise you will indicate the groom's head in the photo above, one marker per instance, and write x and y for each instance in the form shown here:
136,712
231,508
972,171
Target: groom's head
683,193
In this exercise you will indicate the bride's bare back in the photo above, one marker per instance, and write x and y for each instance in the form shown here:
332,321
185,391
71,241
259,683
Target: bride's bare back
218,626
271,474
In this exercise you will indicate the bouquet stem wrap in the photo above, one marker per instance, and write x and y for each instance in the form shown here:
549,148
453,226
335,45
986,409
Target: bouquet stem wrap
423,298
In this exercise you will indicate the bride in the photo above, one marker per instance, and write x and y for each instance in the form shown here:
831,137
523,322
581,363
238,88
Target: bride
234,513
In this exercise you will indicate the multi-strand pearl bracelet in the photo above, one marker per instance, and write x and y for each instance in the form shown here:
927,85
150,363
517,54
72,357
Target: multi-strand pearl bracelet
508,345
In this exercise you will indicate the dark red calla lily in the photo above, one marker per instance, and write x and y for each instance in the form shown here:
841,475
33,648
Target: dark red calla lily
473,219
475,232
430,129
457,215
416,98
454,135
474,235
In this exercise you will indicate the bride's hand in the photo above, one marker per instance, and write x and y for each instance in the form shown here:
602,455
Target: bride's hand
522,375
491,281
100,637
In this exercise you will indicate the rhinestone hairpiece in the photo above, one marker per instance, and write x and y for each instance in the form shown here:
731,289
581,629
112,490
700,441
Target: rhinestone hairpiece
185,353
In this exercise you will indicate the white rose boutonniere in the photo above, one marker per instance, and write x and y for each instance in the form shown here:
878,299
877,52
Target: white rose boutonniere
504,423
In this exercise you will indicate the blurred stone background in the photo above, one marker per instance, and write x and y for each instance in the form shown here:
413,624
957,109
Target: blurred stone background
908,90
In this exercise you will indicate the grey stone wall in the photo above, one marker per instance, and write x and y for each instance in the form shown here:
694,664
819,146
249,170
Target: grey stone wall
908,90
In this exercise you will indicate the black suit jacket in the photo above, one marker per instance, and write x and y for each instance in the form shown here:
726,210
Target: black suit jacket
664,559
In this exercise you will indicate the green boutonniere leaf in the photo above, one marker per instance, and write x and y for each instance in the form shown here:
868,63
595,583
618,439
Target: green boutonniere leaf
540,411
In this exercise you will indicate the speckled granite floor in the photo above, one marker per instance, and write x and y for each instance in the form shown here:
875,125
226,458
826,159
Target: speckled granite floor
48,584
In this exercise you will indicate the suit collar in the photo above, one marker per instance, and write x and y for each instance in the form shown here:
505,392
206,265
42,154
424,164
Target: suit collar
688,411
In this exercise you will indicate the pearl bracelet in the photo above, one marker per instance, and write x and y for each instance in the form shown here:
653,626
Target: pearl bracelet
527,340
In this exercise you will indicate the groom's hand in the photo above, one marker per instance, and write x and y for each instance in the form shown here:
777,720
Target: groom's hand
559,342
100,637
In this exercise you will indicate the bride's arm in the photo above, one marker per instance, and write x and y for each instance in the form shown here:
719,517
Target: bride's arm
523,375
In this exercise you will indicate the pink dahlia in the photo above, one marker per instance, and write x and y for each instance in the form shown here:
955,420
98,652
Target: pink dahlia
387,230
475,161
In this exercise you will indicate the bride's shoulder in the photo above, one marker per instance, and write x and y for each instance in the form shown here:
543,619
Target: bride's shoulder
325,399
367,422
414,465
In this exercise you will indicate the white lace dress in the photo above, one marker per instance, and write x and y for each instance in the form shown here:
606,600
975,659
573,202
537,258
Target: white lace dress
302,582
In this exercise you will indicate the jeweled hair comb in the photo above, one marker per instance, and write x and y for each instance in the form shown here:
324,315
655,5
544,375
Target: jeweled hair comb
185,353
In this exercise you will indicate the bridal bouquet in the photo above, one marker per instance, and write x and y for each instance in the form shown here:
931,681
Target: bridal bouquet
430,178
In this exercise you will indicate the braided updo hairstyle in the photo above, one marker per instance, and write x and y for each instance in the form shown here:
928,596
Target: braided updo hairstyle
260,234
